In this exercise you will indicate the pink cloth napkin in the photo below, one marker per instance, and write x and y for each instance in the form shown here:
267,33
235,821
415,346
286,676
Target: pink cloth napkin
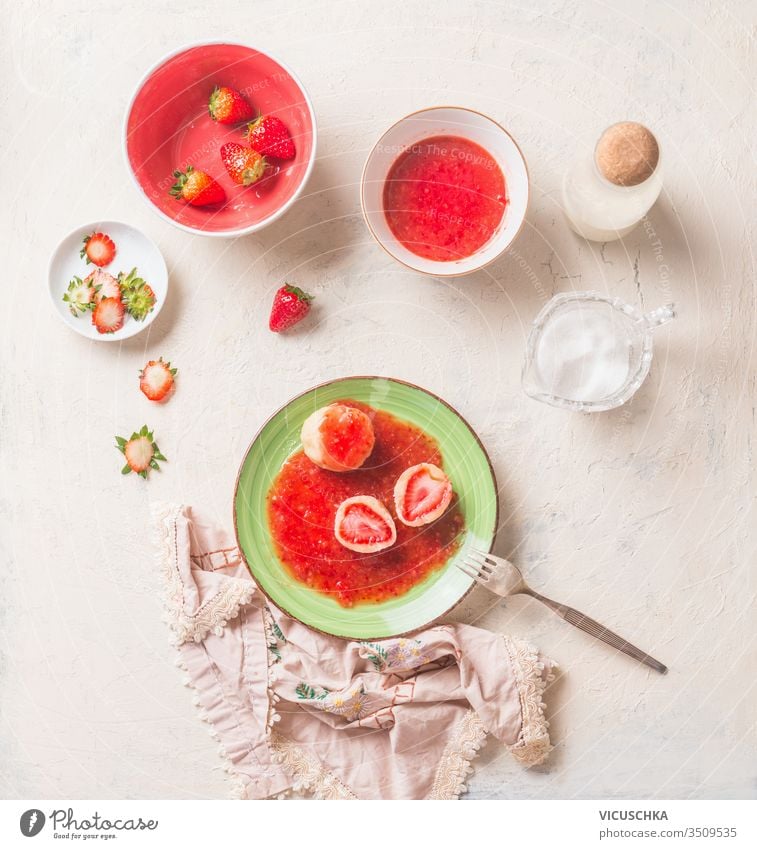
295,709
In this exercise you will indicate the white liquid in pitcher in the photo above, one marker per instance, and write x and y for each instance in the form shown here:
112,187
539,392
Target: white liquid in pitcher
584,354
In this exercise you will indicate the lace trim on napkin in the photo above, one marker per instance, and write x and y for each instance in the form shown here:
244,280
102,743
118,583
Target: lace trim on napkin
164,516
216,611
455,765
309,775
532,746
306,770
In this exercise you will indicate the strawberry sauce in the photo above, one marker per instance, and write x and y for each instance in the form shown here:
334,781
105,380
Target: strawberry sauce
302,505
444,198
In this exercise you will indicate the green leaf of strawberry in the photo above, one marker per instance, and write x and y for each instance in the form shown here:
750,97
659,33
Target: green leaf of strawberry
137,295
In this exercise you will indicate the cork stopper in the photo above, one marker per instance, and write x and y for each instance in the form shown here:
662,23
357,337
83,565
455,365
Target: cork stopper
627,154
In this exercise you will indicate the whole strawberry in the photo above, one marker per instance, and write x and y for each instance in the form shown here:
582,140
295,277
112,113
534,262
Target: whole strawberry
268,135
196,188
228,106
245,165
290,306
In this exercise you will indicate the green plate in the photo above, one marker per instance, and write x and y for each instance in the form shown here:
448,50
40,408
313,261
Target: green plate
465,461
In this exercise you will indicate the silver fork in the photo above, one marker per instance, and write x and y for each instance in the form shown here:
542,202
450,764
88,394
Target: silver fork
503,578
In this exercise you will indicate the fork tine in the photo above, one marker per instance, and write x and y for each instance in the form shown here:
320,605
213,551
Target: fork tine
480,559
483,556
480,574
465,569
476,554
482,565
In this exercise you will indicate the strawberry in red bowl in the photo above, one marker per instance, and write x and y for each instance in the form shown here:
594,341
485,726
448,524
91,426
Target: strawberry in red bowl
193,103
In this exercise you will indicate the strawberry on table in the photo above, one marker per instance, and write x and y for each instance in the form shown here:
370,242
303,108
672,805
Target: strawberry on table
137,295
290,306
156,379
228,106
141,452
108,316
245,165
99,249
80,295
269,135
196,188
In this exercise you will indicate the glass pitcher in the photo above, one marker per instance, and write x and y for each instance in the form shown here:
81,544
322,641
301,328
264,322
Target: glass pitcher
589,353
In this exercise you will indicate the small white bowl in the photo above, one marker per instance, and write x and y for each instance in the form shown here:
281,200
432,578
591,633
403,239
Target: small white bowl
446,121
133,248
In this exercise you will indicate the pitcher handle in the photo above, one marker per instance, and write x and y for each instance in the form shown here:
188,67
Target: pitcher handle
662,315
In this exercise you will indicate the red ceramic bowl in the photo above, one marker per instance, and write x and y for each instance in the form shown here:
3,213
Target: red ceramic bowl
167,126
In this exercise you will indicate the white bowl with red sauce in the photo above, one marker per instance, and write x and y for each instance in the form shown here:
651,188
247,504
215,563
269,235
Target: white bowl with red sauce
445,191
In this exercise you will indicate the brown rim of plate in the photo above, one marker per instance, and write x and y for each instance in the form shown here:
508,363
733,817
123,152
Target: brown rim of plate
321,386
402,262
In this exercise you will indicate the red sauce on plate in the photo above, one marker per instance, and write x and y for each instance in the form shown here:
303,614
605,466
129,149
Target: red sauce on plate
444,198
302,504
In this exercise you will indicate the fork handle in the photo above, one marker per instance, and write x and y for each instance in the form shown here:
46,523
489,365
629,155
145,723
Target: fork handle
585,623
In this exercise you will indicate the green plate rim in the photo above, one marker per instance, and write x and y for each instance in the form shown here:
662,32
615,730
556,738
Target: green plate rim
322,385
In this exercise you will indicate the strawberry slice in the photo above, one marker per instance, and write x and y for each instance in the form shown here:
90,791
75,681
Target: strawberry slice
156,379
99,249
141,452
106,285
80,295
108,316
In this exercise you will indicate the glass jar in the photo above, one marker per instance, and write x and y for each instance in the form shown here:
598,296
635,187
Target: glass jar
601,199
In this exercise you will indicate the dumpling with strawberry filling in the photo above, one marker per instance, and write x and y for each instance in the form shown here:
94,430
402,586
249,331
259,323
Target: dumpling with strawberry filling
364,525
338,438
421,495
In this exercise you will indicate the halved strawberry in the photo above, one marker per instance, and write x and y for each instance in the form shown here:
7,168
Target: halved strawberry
156,379
80,295
108,316
99,249
106,285
141,452
228,106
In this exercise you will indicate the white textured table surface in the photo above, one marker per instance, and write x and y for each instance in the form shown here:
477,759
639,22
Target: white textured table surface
641,516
